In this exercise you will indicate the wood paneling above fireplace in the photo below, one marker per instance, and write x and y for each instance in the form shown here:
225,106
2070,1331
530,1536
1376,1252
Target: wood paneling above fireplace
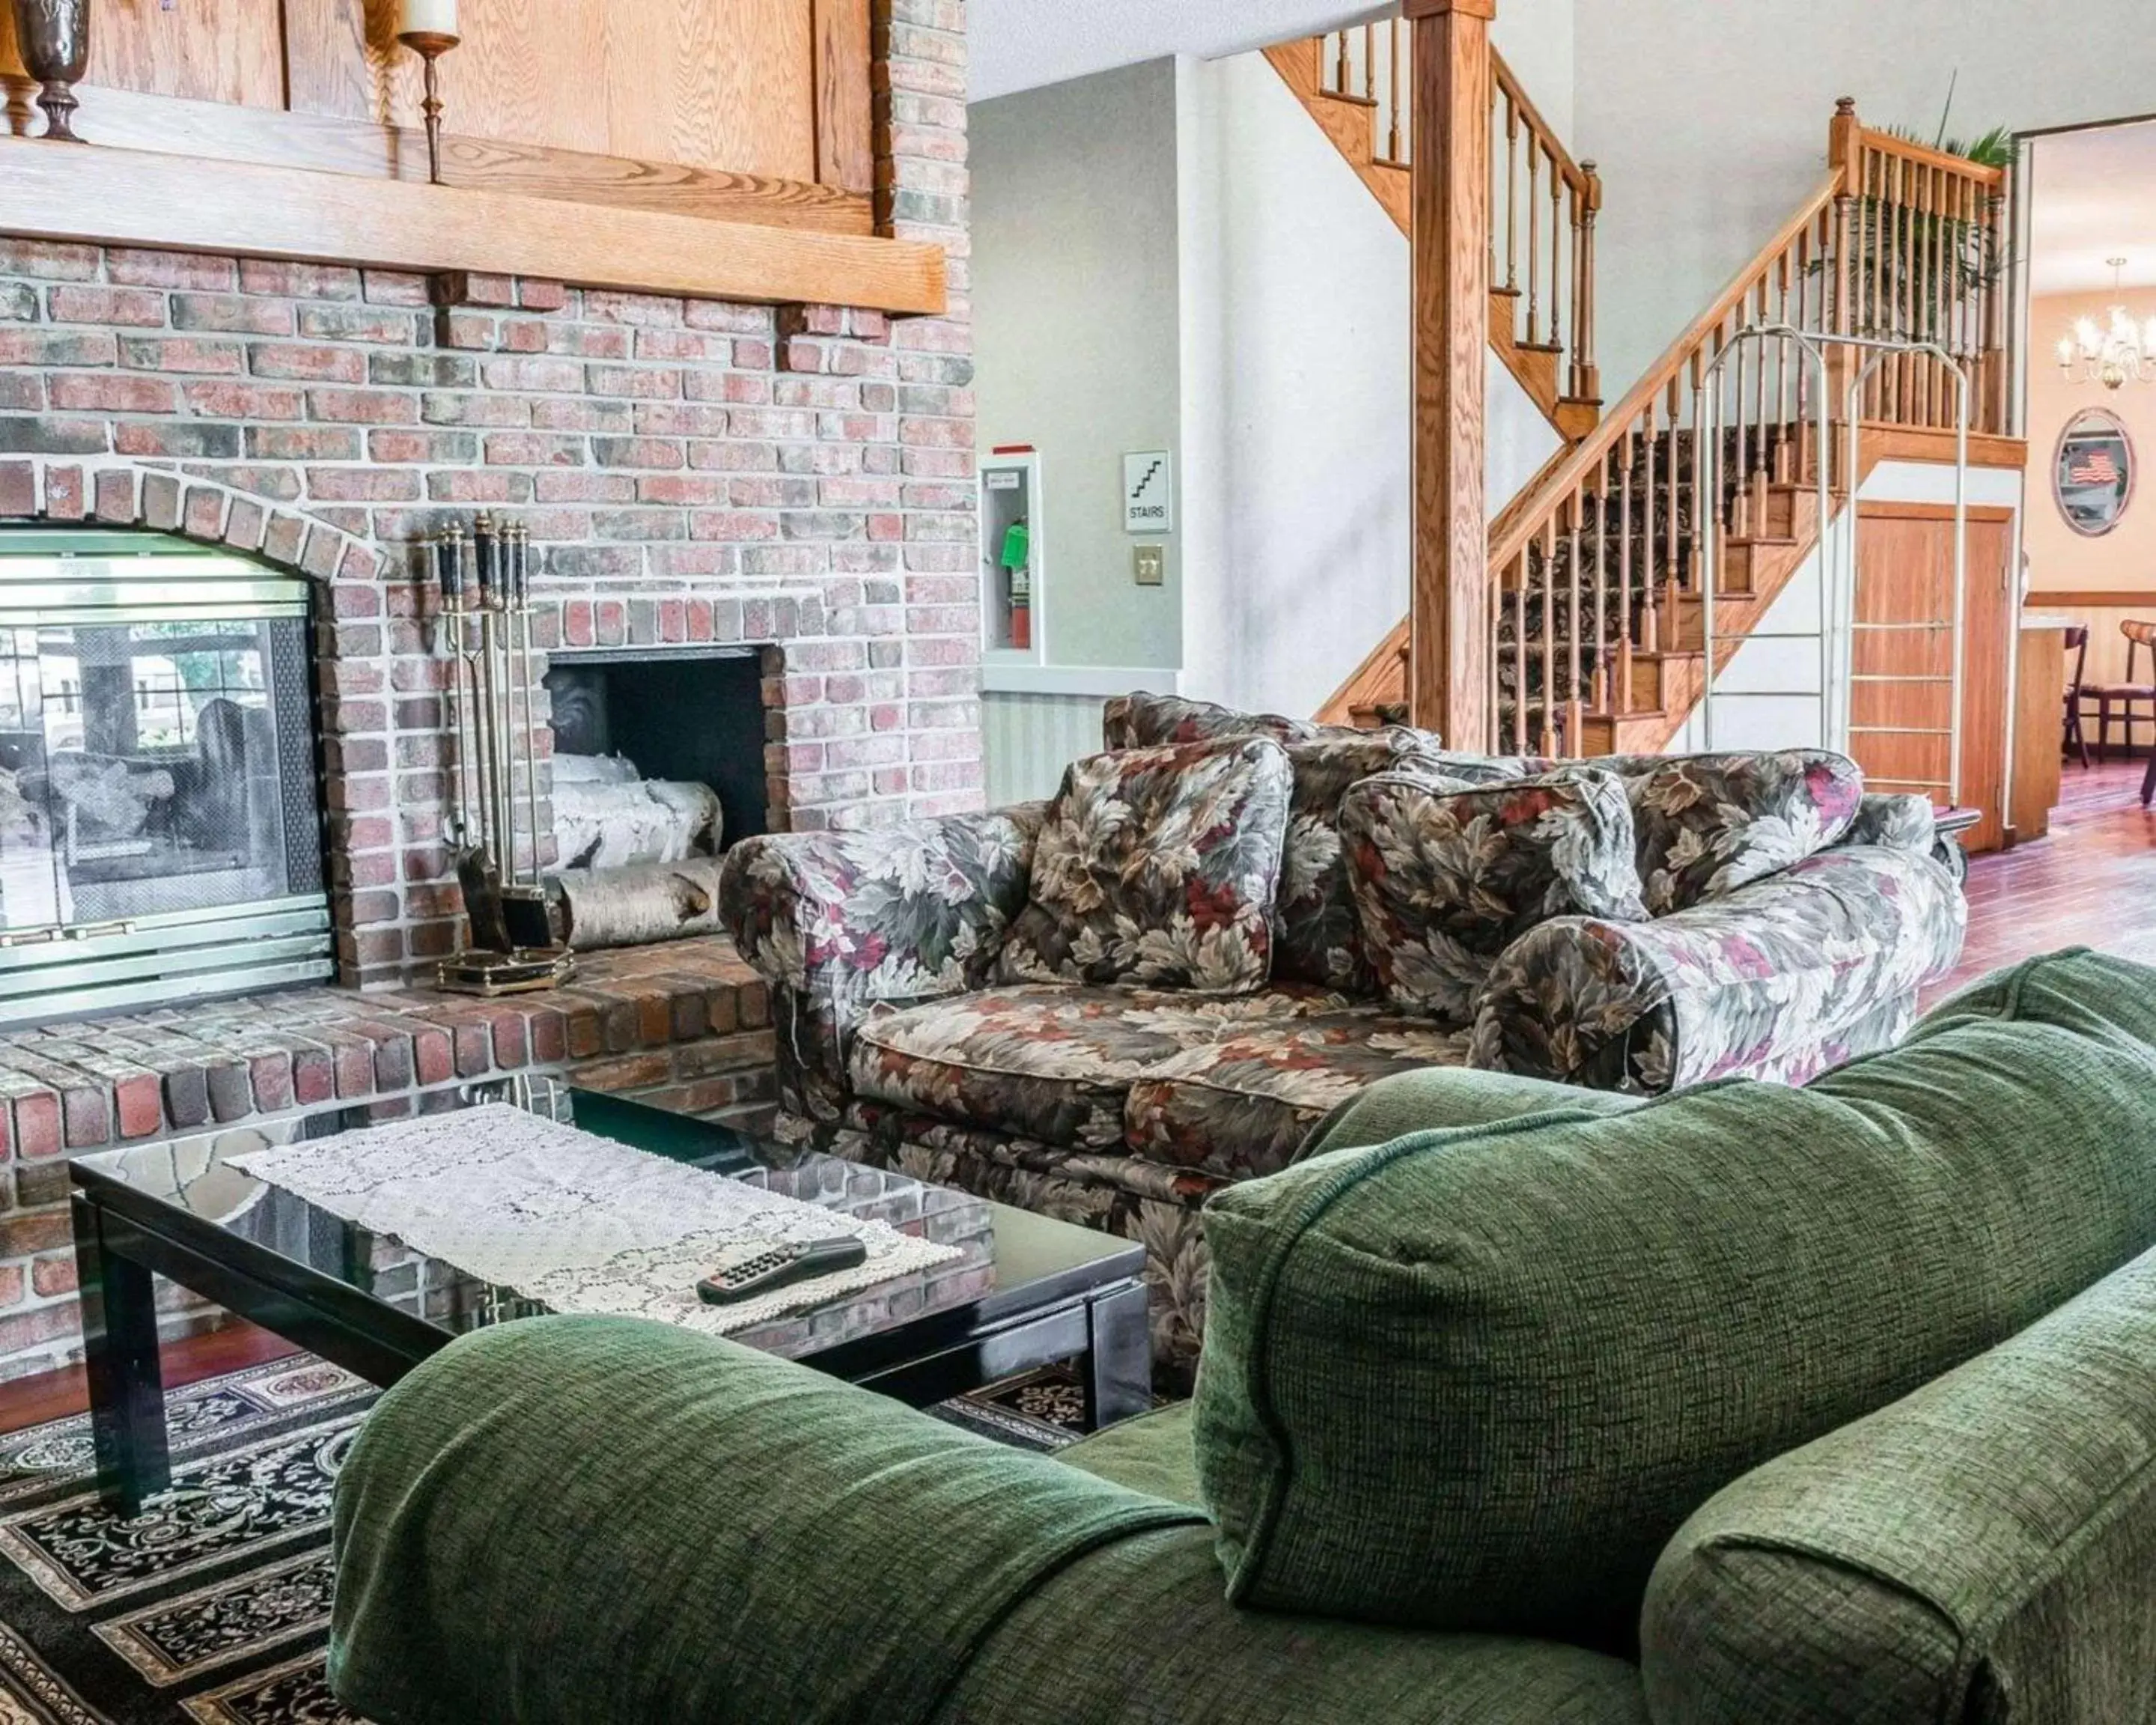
759,112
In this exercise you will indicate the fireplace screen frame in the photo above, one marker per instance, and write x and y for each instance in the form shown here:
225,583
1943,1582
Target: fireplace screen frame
68,968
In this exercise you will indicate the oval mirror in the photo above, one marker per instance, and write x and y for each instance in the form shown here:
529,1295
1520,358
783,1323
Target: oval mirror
2094,476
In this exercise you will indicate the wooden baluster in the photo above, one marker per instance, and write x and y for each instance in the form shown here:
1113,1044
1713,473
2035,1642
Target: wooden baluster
1370,62
1395,148
1785,449
1804,320
1512,198
1755,479
1576,216
1575,623
1650,590
1534,237
1628,448
1902,287
1520,656
1598,671
1672,618
1342,70
1548,743
1556,253
1589,371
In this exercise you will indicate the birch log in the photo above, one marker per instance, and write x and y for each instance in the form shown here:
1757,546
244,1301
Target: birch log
640,905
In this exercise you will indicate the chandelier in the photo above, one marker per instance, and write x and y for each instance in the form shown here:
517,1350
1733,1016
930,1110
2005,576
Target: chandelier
2114,357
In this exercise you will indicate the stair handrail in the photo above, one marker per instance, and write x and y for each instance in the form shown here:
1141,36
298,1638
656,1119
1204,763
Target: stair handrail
1565,514
1527,513
1509,86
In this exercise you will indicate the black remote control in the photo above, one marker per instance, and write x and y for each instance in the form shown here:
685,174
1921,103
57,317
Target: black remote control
779,1263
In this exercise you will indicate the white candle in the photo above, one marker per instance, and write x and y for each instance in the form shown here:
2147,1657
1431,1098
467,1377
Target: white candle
431,17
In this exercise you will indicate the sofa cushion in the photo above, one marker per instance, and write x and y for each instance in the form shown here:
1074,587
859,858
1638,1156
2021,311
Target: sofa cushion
1557,1337
1318,938
1048,1062
1708,824
1992,1535
1243,1105
1142,720
1158,867
1445,876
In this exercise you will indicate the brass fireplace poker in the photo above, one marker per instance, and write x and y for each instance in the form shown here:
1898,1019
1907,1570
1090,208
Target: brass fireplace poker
485,582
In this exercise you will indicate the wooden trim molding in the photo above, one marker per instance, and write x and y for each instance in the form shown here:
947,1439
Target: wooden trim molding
2091,598
129,120
101,196
1887,509
1883,442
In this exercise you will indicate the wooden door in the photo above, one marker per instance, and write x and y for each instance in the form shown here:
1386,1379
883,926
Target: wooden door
1905,575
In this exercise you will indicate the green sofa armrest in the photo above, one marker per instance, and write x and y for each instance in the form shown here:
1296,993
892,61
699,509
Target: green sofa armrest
600,1522
834,922
587,1521
1983,1549
1783,979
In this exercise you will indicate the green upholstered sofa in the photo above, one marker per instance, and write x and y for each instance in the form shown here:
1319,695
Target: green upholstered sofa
1745,1404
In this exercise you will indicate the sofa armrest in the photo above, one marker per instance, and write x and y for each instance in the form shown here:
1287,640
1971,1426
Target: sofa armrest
1983,1549
836,921
575,1521
1900,820
1783,978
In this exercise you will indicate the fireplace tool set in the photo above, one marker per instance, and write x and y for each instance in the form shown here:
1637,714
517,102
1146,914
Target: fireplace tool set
485,592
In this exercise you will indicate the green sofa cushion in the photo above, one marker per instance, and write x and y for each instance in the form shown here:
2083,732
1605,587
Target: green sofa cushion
603,1520
1151,1454
1137,1633
1985,1549
1453,1095
1476,1378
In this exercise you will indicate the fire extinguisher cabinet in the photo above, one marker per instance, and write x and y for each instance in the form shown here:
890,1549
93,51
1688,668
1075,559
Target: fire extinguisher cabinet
1011,543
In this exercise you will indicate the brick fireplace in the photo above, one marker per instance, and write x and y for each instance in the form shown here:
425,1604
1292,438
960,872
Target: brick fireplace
794,481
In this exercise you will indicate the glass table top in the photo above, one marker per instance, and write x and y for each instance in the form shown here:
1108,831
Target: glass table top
1002,1252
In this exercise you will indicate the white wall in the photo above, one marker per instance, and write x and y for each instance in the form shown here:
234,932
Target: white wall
1536,38
1709,121
1075,337
1296,397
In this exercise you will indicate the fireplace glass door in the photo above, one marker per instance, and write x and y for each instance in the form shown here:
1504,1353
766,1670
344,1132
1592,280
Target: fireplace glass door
160,826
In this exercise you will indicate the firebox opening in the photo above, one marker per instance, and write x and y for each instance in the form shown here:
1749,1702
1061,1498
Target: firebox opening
160,833
671,721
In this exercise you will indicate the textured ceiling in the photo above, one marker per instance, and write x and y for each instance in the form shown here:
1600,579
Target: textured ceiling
1020,44
2094,198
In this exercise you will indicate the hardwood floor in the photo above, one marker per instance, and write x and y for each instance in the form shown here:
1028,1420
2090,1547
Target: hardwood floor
2091,883
54,1395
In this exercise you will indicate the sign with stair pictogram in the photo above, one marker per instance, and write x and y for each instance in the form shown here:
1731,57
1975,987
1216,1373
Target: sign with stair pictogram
1149,492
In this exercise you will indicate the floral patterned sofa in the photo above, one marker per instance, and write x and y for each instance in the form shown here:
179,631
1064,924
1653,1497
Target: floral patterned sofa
1712,915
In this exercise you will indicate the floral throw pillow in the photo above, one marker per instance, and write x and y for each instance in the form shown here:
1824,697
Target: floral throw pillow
1319,938
1708,824
1446,875
1157,866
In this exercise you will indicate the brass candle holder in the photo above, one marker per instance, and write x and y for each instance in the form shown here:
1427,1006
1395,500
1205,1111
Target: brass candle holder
430,45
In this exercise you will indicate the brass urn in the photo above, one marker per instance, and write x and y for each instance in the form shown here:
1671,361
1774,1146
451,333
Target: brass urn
53,37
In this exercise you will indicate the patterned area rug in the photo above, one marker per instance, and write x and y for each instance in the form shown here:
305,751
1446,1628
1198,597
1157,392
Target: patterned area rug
212,1606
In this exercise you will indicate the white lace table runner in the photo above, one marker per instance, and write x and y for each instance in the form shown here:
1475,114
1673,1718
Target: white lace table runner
578,1223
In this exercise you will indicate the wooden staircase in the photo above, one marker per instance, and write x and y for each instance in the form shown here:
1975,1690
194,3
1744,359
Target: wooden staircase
1541,245
1595,568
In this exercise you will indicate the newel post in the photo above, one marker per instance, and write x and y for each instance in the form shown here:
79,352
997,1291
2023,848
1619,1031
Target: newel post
1449,659
1844,155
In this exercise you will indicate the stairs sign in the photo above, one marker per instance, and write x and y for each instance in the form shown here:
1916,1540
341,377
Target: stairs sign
1149,493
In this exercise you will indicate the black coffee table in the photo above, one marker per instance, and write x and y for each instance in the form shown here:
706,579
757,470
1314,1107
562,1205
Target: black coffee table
1024,1291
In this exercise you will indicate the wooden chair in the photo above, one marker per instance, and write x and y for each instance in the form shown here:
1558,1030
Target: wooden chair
2119,701
2073,742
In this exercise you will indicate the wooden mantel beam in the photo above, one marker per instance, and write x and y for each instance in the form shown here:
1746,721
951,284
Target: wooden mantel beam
101,196
1449,660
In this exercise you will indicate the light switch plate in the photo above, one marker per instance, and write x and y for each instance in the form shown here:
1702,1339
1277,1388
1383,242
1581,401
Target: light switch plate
1149,565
